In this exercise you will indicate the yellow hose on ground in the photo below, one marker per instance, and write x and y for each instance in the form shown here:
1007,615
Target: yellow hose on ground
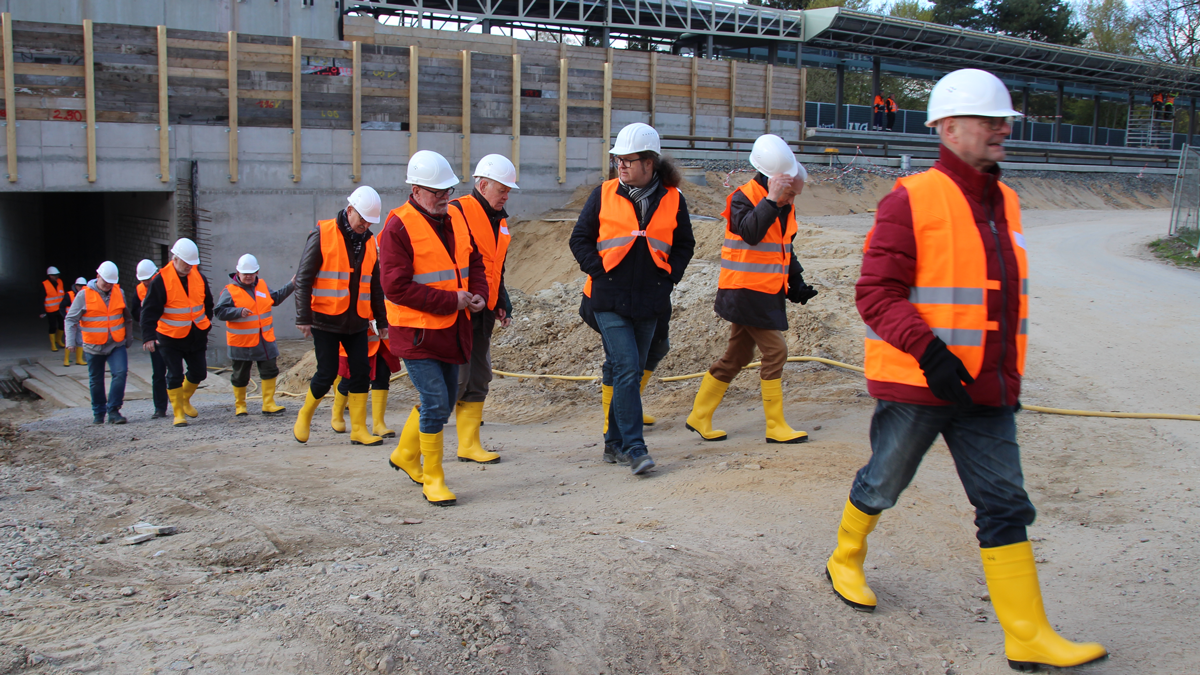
791,359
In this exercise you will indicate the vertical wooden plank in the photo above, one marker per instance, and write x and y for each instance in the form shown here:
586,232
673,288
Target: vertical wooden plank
466,115
414,58
296,59
562,120
732,100
803,103
89,92
356,122
606,117
516,113
770,86
695,96
233,107
10,100
653,86
164,136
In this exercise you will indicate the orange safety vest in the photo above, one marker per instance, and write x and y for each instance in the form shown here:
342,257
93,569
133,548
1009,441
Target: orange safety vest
245,332
99,320
763,266
616,238
492,247
182,310
71,297
142,289
891,104
1157,98
951,285
54,296
432,267
878,103
331,288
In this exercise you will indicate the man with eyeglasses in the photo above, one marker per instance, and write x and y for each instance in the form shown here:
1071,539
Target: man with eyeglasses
434,279
634,240
944,294
339,303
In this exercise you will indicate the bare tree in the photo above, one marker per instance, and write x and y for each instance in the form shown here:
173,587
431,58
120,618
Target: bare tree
1171,31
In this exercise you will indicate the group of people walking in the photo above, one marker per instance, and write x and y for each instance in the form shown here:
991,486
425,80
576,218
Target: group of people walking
943,292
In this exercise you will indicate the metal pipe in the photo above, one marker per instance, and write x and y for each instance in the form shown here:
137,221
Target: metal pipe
839,98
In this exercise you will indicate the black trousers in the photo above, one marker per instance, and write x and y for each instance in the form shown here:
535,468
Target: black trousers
175,360
56,322
158,380
325,343
381,379
891,117
267,370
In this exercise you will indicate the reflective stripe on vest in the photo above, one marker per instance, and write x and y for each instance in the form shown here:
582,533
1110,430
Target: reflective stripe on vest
245,332
100,320
54,295
331,288
951,286
493,247
182,310
432,267
759,267
619,229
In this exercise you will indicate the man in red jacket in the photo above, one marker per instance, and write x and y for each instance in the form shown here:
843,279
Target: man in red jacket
944,294
433,277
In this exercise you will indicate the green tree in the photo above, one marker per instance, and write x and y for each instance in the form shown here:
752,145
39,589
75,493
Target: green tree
911,9
961,13
1042,20
1110,25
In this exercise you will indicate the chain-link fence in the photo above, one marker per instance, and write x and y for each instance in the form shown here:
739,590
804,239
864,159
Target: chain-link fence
1185,206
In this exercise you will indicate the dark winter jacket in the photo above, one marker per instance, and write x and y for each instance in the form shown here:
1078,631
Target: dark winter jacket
889,270
152,311
348,322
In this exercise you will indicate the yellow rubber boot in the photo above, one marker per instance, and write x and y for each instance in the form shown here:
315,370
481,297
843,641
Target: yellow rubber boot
358,421
646,419
845,567
378,409
338,418
407,455
606,403
778,430
62,338
53,342
239,402
467,417
269,406
175,395
188,389
79,356
708,398
434,479
304,418
1029,640
66,356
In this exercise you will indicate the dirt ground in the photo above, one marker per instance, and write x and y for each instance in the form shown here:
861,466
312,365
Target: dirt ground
319,558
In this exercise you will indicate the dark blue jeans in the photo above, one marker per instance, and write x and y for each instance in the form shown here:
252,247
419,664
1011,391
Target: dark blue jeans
118,366
983,443
437,384
627,345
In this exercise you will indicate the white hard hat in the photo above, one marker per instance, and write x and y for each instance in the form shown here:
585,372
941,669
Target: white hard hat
146,269
248,264
365,200
52,270
429,169
969,92
497,168
80,281
108,271
637,137
186,250
772,156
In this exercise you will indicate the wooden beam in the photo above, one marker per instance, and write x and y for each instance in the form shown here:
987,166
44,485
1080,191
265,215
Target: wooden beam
10,99
89,93
803,102
414,58
606,118
770,86
732,100
562,120
296,59
164,136
232,74
466,114
695,98
653,86
356,115
516,113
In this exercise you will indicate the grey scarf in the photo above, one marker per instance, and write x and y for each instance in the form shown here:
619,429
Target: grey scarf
641,196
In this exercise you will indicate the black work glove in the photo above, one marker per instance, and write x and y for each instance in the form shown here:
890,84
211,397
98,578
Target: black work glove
801,293
945,373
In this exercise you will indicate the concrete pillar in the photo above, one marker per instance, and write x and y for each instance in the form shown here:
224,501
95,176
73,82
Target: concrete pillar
839,98
1191,121
773,53
1058,113
1095,119
708,48
1026,123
